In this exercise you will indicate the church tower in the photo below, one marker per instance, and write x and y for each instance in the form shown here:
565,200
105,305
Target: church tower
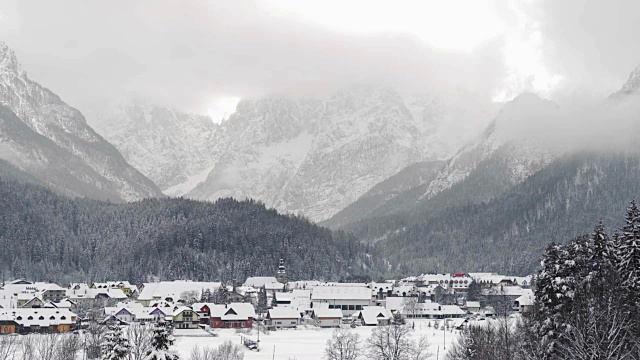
282,273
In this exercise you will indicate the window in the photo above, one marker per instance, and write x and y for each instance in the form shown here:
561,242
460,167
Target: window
358,307
30,318
52,318
352,307
345,307
19,318
63,317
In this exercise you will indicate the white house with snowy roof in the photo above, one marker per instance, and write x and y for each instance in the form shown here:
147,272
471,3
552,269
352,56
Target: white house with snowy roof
283,317
373,316
349,299
326,317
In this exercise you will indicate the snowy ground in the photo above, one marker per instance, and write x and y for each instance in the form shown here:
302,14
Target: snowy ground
305,343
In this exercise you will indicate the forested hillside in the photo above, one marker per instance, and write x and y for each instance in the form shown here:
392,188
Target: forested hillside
509,233
45,236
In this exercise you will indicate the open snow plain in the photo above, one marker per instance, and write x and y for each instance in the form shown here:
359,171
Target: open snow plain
304,343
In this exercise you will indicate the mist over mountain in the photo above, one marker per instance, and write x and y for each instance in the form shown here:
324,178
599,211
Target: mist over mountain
43,135
303,156
500,199
166,145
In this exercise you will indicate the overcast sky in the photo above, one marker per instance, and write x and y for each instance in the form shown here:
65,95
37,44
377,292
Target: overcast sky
202,56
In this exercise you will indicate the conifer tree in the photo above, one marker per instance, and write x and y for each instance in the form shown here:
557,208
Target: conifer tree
114,346
602,248
262,300
628,252
160,345
547,296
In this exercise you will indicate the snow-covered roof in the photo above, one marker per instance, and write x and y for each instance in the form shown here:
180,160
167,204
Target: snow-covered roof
326,313
526,299
340,293
233,311
174,289
372,314
473,304
88,293
180,309
284,296
505,290
283,313
258,281
404,289
42,317
394,303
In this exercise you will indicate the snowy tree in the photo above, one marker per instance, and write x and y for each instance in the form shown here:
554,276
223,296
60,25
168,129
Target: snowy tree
274,301
548,296
160,345
473,293
628,252
221,295
343,345
262,300
114,346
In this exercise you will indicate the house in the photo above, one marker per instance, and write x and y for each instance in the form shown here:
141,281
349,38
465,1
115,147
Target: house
234,315
430,310
326,317
37,320
124,285
473,306
525,302
281,317
380,291
374,316
172,291
349,299
185,318
259,281
284,299
82,295
52,292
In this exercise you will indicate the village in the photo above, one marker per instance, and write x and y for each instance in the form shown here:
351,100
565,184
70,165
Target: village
274,302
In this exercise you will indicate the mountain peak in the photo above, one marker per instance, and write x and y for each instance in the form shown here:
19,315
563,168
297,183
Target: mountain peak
633,82
9,61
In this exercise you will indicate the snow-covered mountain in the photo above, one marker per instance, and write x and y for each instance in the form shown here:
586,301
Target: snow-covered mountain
315,157
55,142
630,87
507,136
505,154
166,145
304,156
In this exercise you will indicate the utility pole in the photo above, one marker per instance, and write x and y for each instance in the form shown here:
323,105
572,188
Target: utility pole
444,346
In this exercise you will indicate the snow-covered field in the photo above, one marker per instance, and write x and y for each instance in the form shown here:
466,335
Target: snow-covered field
305,343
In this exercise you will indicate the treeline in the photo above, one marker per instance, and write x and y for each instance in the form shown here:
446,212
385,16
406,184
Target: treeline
587,304
45,236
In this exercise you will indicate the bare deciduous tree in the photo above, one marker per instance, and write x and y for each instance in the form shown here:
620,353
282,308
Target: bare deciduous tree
46,346
393,342
343,345
92,339
68,347
139,337
9,346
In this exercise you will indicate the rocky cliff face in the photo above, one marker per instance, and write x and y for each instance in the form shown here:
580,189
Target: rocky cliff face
315,157
166,145
91,160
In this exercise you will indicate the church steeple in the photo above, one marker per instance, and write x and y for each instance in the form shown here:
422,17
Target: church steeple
282,273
